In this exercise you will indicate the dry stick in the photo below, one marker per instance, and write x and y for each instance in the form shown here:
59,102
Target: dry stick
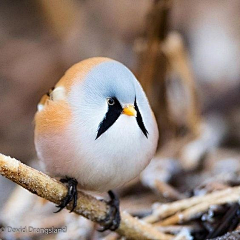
184,235
167,191
175,229
156,29
87,206
197,210
168,209
178,58
153,66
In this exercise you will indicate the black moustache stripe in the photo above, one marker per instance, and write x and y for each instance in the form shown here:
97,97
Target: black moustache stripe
113,113
140,120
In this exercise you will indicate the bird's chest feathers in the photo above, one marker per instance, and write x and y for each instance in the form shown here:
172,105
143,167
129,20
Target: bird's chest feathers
123,140
118,155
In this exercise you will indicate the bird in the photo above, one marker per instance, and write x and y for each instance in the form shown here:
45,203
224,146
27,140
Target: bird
95,130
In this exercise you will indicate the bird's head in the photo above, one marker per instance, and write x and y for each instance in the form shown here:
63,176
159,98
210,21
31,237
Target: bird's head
99,92
107,92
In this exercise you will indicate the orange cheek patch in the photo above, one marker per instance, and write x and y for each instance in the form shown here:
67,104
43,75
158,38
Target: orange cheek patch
55,117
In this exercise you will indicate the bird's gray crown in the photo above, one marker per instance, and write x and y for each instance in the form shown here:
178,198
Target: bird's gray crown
111,79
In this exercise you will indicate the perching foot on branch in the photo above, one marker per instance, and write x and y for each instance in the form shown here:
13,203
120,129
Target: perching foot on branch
113,219
71,194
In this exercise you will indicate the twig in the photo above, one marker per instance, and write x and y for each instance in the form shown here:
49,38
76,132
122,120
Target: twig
192,205
178,58
133,226
167,191
87,206
183,235
175,229
198,209
153,66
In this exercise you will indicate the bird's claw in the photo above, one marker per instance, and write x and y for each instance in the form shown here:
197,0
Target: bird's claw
71,194
113,218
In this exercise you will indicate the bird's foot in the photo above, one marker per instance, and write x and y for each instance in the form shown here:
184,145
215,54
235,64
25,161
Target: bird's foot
71,194
113,218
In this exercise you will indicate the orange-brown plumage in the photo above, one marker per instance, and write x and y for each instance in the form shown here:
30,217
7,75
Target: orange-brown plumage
55,115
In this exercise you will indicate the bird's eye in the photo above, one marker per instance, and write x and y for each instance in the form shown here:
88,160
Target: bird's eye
110,101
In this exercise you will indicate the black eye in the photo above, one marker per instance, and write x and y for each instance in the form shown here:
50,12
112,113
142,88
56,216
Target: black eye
110,101
113,113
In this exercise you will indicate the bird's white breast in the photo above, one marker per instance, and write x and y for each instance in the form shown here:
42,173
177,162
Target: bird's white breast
113,159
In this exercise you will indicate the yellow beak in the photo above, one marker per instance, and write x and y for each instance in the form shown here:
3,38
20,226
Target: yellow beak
130,110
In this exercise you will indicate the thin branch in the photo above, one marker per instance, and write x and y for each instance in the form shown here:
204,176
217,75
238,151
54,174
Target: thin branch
187,209
167,191
87,206
199,209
